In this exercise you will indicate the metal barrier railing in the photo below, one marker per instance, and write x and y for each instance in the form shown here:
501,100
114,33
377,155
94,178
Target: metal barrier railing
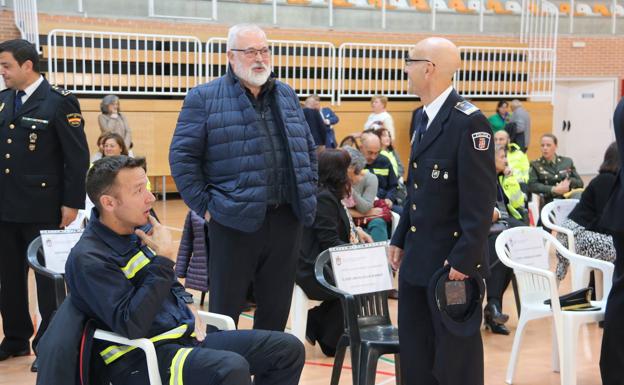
365,70
93,62
126,63
307,66
506,72
26,20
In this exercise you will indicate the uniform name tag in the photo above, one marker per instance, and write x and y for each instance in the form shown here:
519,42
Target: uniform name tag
27,119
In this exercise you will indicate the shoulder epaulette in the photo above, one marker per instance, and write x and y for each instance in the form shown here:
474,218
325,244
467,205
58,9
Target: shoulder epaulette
466,107
60,90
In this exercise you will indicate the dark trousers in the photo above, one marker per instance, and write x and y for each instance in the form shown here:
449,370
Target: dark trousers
612,353
500,275
16,321
267,258
435,356
223,358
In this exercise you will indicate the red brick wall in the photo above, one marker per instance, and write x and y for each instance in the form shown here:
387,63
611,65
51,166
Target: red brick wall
602,56
8,30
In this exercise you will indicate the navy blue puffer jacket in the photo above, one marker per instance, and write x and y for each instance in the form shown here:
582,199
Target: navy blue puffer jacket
217,154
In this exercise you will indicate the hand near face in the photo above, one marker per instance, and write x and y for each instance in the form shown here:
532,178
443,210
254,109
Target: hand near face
160,240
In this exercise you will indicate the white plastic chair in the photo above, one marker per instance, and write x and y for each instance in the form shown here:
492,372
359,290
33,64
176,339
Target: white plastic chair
299,313
553,214
513,6
220,321
619,10
519,248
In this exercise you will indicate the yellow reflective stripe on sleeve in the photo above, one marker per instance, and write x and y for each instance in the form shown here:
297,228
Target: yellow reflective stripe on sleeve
136,263
177,366
113,352
381,171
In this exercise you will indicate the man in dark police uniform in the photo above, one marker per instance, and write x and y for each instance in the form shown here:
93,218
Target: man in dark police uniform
446,218
43,162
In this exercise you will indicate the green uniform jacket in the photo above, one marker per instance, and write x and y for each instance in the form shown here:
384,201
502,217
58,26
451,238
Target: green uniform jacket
543,175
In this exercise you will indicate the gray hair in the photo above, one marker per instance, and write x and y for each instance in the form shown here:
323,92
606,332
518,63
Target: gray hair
237,30
500,147
357,159
515,104
106,101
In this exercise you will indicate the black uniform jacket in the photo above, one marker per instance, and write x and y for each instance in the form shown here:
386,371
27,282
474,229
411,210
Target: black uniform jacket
451,191
44,156
330,228
613,214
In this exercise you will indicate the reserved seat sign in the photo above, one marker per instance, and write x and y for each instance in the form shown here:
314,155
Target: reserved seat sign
361,268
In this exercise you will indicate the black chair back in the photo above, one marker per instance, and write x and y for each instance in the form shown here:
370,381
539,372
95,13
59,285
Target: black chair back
36,261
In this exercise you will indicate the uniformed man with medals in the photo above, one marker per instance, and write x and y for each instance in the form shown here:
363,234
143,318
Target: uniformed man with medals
44,158
445,220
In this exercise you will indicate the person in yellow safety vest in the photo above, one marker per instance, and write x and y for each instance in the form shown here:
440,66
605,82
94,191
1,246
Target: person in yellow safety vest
516,159
513,192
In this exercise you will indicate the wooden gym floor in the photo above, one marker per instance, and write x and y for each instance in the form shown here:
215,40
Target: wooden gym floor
534,365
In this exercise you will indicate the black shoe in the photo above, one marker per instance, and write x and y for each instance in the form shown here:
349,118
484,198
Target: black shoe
35,365
394,294
4,354
492,314
497,328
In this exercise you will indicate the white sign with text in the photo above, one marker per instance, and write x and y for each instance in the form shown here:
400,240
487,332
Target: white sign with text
362,268
56,247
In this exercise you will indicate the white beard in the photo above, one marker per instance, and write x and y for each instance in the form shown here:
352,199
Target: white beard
253,78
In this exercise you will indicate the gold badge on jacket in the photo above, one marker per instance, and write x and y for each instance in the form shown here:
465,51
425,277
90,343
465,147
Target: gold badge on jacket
74,119
1,107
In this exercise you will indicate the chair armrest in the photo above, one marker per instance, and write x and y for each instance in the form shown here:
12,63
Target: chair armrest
605,267
142,343
220,321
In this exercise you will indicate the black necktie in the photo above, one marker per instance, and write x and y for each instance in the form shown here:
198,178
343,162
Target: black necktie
18,101
421,128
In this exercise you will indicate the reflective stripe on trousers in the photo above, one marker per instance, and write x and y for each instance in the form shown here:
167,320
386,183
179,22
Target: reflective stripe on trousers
177,366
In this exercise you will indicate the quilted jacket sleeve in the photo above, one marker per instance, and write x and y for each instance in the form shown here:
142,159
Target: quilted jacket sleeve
186,247
188,151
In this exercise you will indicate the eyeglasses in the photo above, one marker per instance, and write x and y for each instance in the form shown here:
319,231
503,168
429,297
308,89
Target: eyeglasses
251,53
409,61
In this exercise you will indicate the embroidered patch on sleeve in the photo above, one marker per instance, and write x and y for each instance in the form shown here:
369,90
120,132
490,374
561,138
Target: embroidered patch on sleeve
481,140
74,119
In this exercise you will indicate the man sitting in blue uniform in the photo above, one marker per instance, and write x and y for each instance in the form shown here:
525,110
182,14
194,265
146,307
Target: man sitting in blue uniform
123,278
380,166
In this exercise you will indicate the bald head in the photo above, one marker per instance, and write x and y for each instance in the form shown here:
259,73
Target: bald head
443,53
501,138
371,145
437,60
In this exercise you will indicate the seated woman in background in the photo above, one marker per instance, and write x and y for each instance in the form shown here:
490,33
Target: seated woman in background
500,118
590,239
332,226
361,202
113,144
389,152
112,120
500,275
100,149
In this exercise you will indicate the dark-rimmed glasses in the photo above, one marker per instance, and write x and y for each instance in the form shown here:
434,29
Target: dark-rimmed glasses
252,52
408,61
